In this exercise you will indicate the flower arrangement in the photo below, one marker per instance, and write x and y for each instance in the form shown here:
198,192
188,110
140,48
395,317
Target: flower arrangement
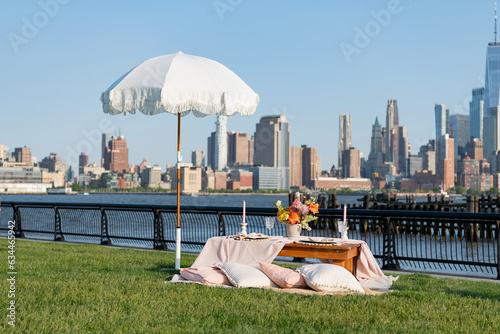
298,212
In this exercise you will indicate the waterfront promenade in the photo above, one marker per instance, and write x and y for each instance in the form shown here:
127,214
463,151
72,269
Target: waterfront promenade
447,242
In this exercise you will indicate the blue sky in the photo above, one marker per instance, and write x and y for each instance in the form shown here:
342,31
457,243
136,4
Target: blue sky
292,53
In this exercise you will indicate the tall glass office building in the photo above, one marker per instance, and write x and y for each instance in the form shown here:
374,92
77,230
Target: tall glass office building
272,142
461,128
345,122
491,142
492,78
442,115
476,111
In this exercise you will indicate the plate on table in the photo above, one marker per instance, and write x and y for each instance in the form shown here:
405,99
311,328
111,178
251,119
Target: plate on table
252,236
329,241
256,236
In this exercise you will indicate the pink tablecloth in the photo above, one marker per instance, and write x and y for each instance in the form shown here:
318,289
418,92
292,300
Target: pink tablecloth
225,249
367,266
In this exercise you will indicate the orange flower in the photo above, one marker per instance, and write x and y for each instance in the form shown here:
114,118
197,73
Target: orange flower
294,218
313,208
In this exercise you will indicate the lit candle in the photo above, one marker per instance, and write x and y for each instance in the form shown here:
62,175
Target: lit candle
345,212
244,212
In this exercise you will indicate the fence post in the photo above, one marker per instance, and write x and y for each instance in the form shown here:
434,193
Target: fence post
159,241
335,205
366,206
105,240
498,249
389,260
58,236
222,224
322,202
18,230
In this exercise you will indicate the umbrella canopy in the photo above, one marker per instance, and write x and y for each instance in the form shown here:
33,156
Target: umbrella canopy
180,84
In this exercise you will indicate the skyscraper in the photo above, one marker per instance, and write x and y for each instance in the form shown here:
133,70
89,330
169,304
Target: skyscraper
310,166
272,142
446,161
23,155
392,133
475,149
295,166
83,160
428,154
476,112
198,158
106,137
492,77
376,156
404,149
211,141
442,115
460,127
351,161
413,164
250,151
491,137
221,142
70,174
345,124
376,145
237,148
116,158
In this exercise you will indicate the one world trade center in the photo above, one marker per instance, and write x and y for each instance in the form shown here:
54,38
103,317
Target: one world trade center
491,141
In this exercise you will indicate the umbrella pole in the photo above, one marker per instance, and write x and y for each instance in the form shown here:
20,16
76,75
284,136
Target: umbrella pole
178,229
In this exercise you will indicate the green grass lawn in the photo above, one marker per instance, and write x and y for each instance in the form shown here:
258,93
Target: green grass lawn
68,288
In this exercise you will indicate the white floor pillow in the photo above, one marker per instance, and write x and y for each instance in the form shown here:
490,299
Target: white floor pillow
329,278
245,276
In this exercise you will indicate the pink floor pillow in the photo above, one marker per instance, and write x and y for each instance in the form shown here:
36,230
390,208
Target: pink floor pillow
283,277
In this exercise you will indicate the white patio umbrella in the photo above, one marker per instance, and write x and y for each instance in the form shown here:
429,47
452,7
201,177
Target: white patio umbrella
179,84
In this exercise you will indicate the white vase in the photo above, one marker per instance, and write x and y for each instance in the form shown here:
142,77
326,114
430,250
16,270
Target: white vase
293,230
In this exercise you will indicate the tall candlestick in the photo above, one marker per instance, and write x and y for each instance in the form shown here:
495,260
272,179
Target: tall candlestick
244,208
344,228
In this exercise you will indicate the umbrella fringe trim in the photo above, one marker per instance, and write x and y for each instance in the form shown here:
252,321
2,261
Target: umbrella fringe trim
153,108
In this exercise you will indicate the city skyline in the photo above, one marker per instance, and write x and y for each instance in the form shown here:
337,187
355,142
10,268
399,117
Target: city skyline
335,62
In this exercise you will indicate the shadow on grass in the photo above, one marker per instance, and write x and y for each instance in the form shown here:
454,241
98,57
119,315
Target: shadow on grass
166,269
162,266
492,294
422,283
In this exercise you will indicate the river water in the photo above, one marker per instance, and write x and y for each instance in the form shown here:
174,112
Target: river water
232,200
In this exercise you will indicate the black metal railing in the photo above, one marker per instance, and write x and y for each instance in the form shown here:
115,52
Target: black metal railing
426,240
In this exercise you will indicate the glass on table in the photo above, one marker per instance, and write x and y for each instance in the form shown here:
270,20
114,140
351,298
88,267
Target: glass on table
270,223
